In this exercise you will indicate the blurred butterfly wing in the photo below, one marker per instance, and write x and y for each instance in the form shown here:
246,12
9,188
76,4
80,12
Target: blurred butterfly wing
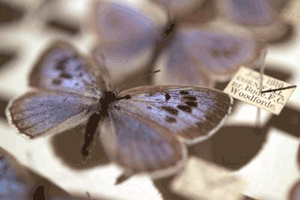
127,35
178,8
15,180
140,145
180,68
62,68
37,113
123,29
251,12
192,113
216,53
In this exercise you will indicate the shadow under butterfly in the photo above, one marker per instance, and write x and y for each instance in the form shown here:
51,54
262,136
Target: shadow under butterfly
144,129
186,52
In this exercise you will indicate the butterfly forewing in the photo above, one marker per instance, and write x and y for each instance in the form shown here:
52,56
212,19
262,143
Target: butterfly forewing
192,113
40,112
62,68
140,145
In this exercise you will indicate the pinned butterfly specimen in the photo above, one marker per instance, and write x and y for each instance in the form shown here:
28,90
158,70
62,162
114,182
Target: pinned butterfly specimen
143,129
186,52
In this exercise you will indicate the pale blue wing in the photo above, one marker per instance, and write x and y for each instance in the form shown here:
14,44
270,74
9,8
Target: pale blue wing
15,182
127,34
192,113
62,68
140,145
251,12
124,30
201,55
41,112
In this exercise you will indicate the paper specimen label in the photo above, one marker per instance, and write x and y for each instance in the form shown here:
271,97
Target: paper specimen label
245,86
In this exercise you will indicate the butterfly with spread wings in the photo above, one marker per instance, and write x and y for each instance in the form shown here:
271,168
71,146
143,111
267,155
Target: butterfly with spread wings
143,129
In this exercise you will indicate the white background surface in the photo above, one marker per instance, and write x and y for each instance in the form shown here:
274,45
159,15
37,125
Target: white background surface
269,175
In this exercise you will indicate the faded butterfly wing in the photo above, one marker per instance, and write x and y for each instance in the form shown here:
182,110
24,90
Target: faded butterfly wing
203,54
15,180
260,16
126,33
143,129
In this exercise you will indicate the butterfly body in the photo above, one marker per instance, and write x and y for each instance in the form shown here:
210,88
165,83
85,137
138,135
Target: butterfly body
143,129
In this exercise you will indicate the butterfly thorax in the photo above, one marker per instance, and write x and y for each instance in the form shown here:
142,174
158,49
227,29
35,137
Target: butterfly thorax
106,101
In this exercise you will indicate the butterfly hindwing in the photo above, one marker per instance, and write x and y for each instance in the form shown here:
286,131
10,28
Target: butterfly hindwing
140,145
41,112
62,68
218,52
251,12
192,113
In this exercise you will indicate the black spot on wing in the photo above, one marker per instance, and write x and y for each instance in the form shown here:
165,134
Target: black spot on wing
62,64
191,104
184,92
170,119
80,74
78,67
167,96
126,97
65,75
189,97
170,110
185,108
149,107
56,81
76,84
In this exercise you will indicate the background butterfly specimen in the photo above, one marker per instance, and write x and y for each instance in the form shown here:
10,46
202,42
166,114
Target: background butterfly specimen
18,182
186,49
141,129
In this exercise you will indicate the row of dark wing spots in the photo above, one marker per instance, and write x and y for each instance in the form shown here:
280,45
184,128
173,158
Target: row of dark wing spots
189,100
170,119
61,67
170,110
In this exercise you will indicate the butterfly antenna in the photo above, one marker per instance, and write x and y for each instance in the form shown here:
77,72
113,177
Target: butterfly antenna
137,79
